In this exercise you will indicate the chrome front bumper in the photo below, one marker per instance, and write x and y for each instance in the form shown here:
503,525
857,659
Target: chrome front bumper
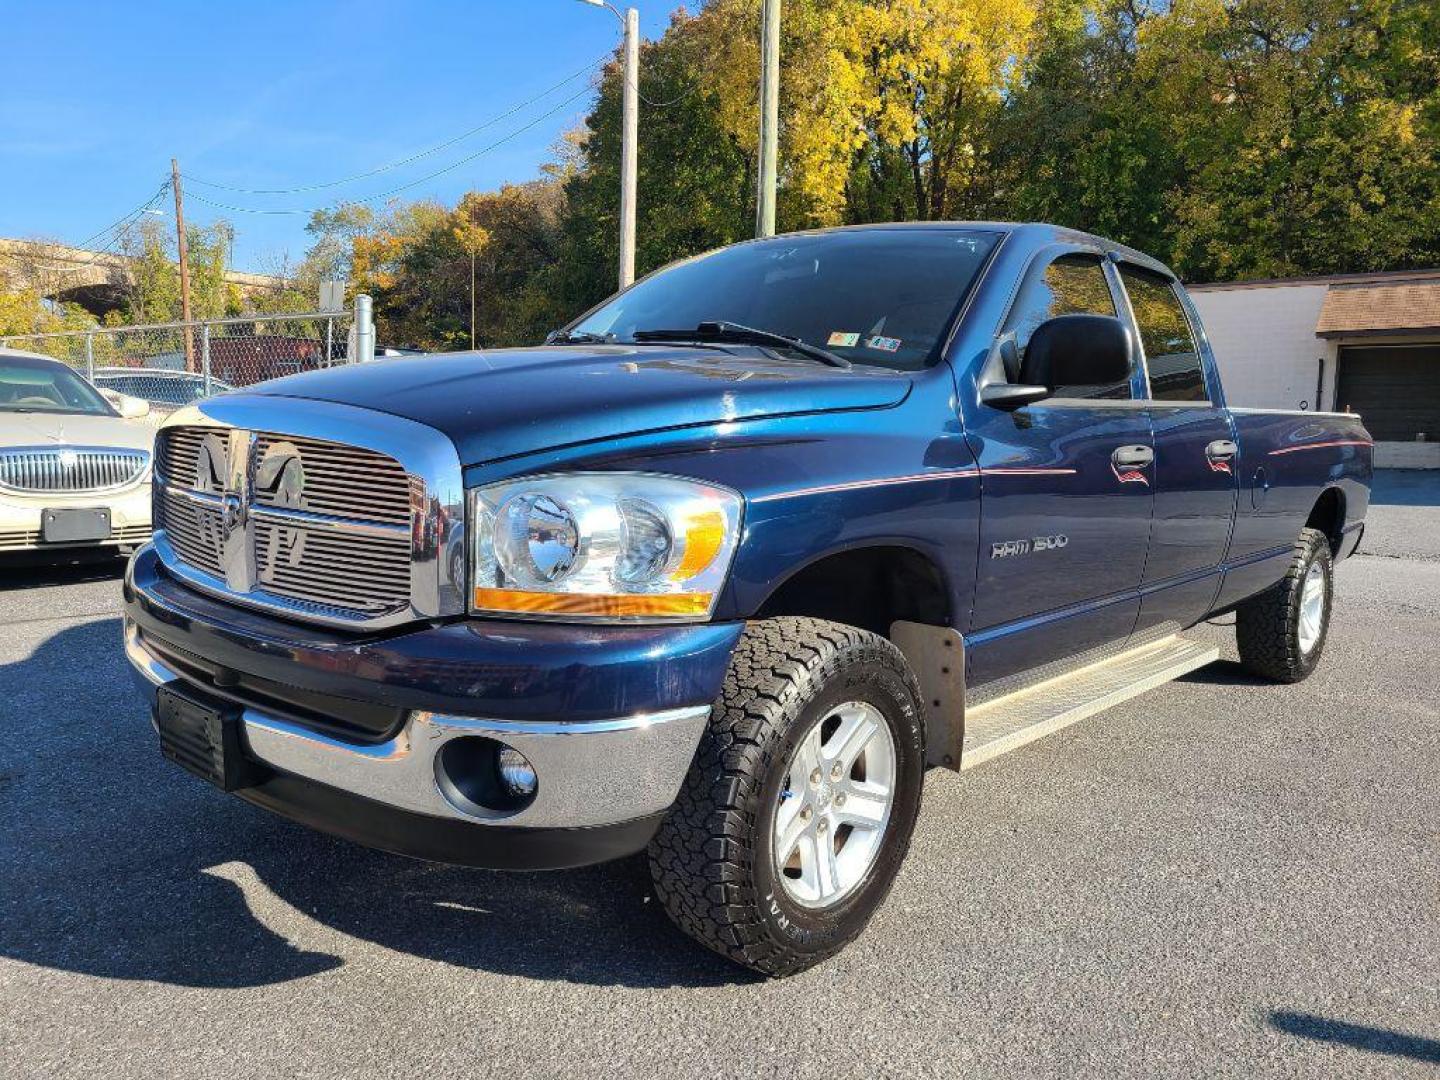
594,773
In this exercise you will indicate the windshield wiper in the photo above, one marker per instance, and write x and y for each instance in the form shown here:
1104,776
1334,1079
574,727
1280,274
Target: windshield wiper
719,330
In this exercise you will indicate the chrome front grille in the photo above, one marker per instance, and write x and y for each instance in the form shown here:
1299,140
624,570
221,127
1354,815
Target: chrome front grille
308,525
65,470
191,529
362,573
345,481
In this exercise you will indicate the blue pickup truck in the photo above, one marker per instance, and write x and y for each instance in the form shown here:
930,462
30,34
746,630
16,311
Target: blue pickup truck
724,566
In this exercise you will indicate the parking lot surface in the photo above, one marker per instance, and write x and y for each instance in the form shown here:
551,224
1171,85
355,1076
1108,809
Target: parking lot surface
1221,877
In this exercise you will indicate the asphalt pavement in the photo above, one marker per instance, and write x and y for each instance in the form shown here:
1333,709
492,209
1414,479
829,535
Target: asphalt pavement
1220,878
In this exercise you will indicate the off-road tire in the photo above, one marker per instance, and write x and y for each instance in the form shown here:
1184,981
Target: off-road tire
711,860
1267,626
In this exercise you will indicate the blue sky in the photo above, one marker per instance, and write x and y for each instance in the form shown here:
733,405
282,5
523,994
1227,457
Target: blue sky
97,97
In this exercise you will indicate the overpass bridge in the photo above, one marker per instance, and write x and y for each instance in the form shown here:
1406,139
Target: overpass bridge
96,280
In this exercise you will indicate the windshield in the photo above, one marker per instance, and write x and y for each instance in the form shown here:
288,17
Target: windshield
46,386
874,296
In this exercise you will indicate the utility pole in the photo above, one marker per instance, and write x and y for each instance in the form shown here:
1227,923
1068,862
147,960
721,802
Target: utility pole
769,117
630,132
184,261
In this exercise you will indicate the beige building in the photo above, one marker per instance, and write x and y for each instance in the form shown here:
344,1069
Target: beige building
1365,343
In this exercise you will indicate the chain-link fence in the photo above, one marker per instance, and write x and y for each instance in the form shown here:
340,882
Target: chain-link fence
174,364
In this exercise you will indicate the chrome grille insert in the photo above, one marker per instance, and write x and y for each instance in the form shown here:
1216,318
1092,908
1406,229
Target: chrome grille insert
344,481
313,510
318,524
63,470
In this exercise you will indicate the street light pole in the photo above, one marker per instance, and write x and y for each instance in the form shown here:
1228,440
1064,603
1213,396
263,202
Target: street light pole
629,135
769,118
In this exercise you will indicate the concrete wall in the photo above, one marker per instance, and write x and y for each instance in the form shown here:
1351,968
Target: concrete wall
1407,455
1269,357
1265,344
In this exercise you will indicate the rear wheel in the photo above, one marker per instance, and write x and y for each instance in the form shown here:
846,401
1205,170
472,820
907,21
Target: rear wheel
798,809
1281,633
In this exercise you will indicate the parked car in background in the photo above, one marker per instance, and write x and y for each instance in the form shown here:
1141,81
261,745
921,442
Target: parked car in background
74,468
165,390
727,564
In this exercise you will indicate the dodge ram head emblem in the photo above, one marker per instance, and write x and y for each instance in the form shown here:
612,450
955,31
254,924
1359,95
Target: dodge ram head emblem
221,473
280,481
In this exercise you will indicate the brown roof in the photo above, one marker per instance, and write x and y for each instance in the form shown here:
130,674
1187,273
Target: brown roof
1374,277
1380,309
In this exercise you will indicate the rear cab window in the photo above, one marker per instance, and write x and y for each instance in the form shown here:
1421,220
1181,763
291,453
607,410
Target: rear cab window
1171,354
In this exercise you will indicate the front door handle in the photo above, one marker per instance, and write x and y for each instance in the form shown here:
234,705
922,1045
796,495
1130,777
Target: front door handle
1133,457
1221,450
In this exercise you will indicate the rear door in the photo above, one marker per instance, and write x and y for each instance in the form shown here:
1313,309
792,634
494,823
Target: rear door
1195,456
1065,498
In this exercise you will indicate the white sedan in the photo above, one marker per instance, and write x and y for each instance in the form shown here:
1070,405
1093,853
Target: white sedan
74,468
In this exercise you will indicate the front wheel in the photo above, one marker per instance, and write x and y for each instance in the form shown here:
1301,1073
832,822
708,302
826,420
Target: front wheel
1281,633
798,809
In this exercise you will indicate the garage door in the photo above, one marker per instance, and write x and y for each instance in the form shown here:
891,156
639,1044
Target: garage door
1394,388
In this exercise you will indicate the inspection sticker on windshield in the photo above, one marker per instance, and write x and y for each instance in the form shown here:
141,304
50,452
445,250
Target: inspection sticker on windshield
884,344
844,340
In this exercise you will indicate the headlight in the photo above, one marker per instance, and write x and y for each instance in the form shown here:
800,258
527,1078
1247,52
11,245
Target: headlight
601,545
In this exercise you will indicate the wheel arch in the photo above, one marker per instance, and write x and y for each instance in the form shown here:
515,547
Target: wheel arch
1328,516
897,591
872,586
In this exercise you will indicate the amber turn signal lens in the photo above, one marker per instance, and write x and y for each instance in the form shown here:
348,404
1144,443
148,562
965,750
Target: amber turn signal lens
704,535
610,605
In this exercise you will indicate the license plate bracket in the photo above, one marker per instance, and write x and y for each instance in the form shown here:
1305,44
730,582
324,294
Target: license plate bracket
201,734
71,525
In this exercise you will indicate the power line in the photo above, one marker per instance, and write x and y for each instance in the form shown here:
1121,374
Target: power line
413,157
125,221
402,187
120,227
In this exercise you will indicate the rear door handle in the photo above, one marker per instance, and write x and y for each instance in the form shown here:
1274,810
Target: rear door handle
1221,450
1133,457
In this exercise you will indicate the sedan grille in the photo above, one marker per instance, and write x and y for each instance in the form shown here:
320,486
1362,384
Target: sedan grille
293,522
63,470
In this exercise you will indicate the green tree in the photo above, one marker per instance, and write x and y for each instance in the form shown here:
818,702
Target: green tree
693,172
1078,143
1310,133
153,289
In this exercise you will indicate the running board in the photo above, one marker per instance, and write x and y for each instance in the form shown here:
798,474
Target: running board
1013,721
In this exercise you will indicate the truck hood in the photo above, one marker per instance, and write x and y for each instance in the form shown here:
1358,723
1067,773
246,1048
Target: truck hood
516,401
69,429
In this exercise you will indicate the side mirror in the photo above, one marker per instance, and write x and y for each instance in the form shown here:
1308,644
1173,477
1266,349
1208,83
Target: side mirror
132,408
1078,350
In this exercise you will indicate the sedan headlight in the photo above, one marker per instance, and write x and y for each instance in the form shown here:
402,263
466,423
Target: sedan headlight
624,546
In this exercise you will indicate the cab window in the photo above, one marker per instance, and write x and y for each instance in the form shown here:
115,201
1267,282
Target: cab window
1069,285
1176,373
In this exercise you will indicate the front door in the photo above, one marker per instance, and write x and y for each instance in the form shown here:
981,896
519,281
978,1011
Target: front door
1195,459
1065,499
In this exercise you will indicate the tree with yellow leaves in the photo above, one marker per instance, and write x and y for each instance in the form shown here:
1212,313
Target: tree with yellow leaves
883,102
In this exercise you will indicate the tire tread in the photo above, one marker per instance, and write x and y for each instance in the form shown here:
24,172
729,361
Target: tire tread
701,859
1265,624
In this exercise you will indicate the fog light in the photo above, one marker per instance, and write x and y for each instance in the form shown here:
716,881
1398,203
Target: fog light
516,773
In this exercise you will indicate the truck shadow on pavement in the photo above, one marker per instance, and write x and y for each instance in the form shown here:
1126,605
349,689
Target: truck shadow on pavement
21,573
1360,1036
115,863
1224,672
